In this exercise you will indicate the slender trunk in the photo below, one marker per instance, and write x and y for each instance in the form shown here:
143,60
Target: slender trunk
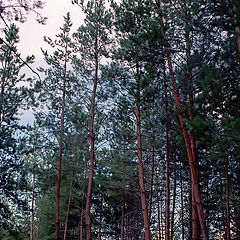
33,199
236,23
92,142
182,206
167,236
59,172
68,210
161,214
92,160
174,196
140,159
227,203
191,157
223,208
82,204
123,219
39,227
195,222
159,219
151,182
190,209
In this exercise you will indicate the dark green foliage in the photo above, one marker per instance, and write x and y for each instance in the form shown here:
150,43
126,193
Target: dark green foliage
14,97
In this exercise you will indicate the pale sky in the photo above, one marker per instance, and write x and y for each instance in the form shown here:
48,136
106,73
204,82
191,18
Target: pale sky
31,34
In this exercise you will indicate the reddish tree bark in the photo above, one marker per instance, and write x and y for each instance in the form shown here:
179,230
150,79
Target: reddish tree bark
195,222
187,140
92,141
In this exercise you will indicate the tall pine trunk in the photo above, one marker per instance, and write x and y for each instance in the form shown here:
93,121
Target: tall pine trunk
59,172
174,196
187,140
140,159
167,156
92,141
92,155
195,222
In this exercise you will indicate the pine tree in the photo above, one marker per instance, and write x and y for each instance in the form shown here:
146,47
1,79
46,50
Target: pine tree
57,87
92,40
